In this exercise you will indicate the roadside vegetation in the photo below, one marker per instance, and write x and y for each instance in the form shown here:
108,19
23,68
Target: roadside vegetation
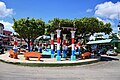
30,29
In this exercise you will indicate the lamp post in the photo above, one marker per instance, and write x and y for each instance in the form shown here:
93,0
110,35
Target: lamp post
119,34
119,29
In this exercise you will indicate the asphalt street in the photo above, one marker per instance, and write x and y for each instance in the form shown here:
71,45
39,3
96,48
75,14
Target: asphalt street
104,70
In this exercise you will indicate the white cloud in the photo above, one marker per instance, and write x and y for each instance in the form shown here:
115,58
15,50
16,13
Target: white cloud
4,11
108,10
115,29
89,10
106,21
7,26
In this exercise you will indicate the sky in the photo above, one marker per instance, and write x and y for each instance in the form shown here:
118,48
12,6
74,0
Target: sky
107,11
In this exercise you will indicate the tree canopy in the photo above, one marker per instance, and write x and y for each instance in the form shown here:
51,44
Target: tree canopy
85,26
29,29
113,36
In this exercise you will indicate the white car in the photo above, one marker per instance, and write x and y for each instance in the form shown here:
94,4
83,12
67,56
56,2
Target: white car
111,52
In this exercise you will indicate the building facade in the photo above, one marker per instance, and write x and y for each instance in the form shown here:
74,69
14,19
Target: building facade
8,37
1,32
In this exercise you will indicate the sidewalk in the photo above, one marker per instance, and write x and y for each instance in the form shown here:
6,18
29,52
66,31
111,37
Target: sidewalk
5,57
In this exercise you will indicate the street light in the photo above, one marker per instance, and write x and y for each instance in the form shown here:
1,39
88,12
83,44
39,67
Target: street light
119,29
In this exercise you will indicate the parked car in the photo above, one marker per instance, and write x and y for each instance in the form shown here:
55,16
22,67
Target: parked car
8,47
1,49
111,52
23,46
102,51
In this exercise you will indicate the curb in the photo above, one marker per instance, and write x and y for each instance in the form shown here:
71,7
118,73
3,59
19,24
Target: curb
50,64
4,58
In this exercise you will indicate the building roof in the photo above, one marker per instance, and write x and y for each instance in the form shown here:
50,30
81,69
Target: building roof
115,40
100,41
43,37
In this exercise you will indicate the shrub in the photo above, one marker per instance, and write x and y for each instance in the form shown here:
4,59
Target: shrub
117,50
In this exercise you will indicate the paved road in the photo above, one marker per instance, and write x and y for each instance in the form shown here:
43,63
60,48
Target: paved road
107,70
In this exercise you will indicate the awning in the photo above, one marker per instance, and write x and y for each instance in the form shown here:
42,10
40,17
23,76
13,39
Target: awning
100,41
115,40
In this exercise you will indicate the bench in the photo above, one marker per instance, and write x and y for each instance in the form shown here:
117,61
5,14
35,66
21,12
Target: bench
13,54
28,55
86,55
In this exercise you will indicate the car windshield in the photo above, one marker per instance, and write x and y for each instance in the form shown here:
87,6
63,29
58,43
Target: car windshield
111,49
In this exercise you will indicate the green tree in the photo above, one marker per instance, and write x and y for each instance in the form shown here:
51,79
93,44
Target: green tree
85,26
113,36
88,26
60,23
56,23
29,29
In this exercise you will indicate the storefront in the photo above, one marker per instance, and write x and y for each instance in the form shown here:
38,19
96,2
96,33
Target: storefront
108,43
116,43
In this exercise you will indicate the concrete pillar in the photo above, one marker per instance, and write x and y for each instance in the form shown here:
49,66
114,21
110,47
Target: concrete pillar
52,45
15,49
58,57
64,46
30,46
40,47
73,57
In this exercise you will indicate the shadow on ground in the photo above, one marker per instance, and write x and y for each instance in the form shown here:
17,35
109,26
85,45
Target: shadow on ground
108,58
